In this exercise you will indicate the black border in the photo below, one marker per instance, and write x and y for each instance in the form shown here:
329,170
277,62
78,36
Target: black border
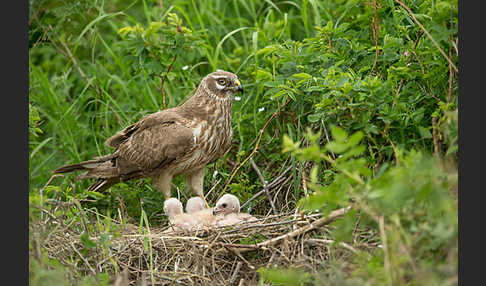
14,139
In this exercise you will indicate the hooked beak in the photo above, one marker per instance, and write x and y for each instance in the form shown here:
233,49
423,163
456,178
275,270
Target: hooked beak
238,86
216,211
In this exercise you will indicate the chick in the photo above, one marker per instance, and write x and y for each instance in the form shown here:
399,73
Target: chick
227,211
195,204
177,218
196,207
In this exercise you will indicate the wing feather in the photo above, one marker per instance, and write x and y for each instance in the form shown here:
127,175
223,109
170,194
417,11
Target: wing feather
155,146
157,118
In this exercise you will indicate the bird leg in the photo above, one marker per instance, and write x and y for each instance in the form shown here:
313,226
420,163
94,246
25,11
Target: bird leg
195,181
162,183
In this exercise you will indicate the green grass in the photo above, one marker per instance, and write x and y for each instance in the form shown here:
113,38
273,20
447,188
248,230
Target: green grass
95,67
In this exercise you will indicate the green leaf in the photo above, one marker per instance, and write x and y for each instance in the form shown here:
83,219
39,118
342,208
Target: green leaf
302,75
95,195
314,117
338,134
336,147
87,242
288,144
424,132
355,151
289,277
355,138
263,75
267,50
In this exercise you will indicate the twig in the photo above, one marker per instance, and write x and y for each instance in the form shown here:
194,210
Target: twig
264,183
225,185
270,224
41,191
73,60
162,81
213,187
83,258
271,185
381,223
325,220
330,241
376,28
327,137
235,273
435,136
428,34
449,93
82,216
237,252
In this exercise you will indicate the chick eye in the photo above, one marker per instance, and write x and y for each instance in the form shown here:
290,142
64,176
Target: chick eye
221,81
223,205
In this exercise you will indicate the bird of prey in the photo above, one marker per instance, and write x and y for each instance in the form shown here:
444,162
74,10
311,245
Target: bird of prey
171,142
177,218
227,204
197,209
227,211
194,204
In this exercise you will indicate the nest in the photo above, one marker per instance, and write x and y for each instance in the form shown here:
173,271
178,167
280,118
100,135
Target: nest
219,256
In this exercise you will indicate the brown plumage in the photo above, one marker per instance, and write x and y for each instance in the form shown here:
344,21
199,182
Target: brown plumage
175,141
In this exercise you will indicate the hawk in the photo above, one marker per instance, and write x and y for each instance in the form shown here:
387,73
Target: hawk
176,141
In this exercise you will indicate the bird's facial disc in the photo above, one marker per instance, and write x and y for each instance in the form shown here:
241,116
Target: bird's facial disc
224,84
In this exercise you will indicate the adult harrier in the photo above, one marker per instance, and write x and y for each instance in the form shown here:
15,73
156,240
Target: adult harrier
180,140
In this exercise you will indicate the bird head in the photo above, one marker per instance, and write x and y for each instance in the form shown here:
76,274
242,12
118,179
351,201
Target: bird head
227,204
172,207
195,204
222,84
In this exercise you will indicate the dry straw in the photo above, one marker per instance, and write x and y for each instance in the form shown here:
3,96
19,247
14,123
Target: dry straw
221,256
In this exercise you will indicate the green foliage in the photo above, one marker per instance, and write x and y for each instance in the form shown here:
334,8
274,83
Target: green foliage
365,125
413,199
288,277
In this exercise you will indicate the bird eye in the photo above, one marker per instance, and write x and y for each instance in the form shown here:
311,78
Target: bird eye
223,205
221,81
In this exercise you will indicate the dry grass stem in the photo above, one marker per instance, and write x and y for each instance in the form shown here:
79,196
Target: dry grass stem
219,256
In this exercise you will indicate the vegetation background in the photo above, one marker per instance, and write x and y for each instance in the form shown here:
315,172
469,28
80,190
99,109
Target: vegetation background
358,97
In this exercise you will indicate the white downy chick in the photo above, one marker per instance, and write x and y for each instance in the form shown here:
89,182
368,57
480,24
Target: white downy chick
194,205
177,218
227,211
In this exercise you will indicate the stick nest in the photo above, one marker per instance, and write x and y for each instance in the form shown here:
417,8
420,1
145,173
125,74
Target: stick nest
218,256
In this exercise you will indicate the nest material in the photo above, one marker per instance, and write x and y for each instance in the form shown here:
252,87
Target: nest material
219,256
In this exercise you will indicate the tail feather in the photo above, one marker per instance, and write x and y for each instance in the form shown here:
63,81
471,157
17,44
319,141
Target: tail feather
86,165
101,168
103,184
